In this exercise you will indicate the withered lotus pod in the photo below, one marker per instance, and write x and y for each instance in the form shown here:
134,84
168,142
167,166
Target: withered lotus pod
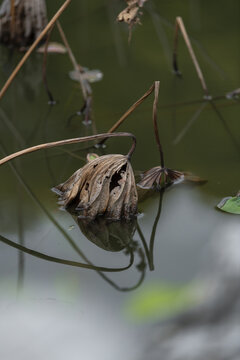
21,21
160,177
104,186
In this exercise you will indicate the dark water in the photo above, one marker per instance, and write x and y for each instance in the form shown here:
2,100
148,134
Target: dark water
56,310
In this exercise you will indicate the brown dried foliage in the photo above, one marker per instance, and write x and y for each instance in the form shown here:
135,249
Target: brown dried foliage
160,177
131,14
104,186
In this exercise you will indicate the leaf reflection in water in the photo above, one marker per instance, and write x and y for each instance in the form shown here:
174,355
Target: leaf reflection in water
108,235
114,236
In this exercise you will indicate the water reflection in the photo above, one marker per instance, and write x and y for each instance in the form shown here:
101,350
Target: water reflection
115,236
111,236
113,239
149,251
107,234
63,261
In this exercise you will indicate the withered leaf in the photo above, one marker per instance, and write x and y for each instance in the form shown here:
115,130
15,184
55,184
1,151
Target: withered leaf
193,178
160,177
131,14
104,186
30,18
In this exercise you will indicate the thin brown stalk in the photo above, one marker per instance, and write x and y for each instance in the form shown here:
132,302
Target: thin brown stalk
129,111
190,123
66,43
154,229
74,62
180,26
44,67
67,142
64,261
156,132
175,47
33,46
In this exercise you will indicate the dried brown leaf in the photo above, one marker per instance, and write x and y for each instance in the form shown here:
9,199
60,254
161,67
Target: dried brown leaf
193,178
23,22
131,14
160,177
104,186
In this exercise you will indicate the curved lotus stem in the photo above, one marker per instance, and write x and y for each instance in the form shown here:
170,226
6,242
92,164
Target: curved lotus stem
156,92
70,141
65,261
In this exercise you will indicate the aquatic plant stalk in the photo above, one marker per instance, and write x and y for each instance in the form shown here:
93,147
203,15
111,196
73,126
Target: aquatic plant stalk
44,68
129,111
159,175
154,229
64,261
156,93
70,141
180,25
226,127
190,123
32,47
76,66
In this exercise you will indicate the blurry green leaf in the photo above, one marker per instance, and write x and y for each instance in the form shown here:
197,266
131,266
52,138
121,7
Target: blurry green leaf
160,300
92,156
230,204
